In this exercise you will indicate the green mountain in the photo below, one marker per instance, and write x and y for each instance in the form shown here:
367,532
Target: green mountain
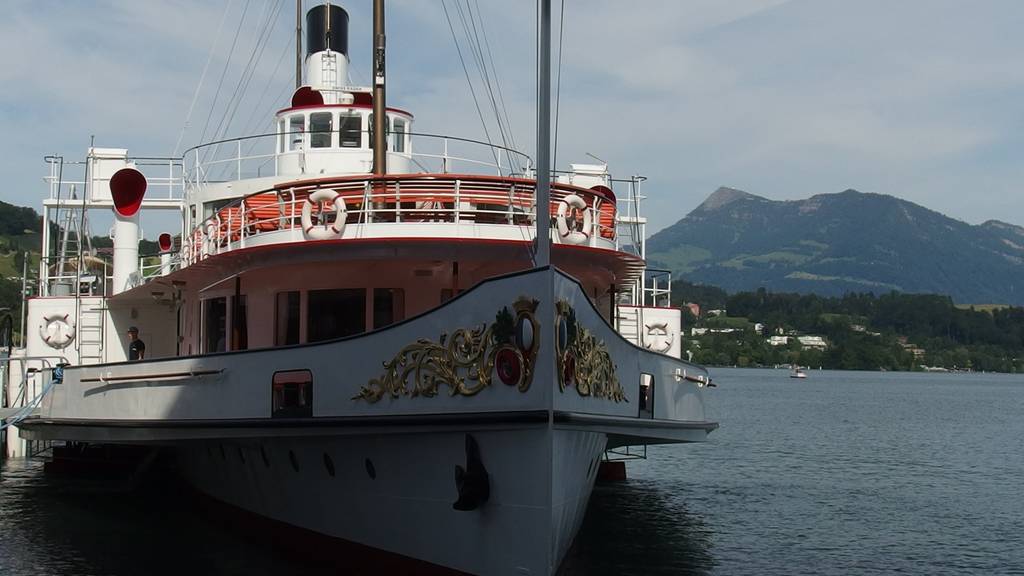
831,244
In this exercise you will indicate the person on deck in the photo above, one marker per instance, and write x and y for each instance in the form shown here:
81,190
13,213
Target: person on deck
136,347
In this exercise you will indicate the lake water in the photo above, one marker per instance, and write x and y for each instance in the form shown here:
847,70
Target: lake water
841,473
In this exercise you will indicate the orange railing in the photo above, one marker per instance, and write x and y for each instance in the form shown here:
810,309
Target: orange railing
412,198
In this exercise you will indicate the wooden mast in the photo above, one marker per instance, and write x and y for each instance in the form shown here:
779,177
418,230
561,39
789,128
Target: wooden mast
380,153
298,44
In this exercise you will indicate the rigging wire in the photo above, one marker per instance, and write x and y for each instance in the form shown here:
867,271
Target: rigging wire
558,87
497,79
224,73
248,71
486,77
465,70
202,77
473,39
262,39
251,121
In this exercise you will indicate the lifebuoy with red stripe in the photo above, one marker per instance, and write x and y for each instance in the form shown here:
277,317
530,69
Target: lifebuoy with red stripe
323,230
571,206
56,331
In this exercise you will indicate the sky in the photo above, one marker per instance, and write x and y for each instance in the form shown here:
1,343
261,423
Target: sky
920,99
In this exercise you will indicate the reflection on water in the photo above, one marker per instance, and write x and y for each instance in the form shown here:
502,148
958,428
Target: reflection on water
635,527
53,525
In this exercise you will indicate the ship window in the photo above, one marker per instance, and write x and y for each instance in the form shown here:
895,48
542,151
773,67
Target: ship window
369,129
320,129
646,395
388,306
286,319
296,131
335,313
240,339
399,135
291,395
215,312
350,129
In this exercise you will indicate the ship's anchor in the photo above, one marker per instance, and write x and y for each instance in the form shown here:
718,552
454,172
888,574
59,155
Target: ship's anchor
472,482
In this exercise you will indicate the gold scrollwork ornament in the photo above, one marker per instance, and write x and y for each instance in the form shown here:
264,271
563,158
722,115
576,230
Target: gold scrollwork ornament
583,360
465,361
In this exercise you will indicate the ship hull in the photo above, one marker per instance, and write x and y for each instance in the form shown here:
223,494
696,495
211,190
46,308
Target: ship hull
519,382
395,492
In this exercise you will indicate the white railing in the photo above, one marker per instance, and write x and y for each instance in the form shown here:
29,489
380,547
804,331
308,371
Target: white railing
394,199
257,156
163,178
59,276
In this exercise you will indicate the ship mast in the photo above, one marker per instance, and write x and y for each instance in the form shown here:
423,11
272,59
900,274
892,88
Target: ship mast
543,255
380,153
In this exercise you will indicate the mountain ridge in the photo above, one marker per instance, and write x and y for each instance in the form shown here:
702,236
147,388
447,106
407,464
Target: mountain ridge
835,243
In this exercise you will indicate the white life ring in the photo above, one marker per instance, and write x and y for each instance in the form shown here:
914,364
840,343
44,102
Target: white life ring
659,338
210,237
576,204
323,230
56,331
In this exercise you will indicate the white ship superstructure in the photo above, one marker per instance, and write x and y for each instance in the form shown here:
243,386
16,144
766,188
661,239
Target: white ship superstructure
361,345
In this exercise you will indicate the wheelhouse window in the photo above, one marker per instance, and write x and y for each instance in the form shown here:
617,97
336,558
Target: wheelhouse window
286,319
296,129
388,306
335,313
398,134
321,129
350,129
215,315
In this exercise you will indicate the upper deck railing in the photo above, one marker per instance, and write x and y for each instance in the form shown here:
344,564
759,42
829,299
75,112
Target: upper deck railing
275,214
257,156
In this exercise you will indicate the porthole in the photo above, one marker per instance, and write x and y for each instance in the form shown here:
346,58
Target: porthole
370,470
263,454
329,465
294,460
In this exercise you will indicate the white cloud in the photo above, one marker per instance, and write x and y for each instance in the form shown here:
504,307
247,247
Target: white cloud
919,99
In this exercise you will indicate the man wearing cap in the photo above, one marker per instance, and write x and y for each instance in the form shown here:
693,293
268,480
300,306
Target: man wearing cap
136,347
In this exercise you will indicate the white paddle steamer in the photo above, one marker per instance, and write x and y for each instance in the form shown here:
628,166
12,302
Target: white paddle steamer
357,331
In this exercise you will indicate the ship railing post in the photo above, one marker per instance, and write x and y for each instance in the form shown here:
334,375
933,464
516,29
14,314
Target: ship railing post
290,216
511,201
444,158
458,200
243,217
197,169
366,208
398,201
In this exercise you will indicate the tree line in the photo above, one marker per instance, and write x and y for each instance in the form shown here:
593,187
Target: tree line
864,331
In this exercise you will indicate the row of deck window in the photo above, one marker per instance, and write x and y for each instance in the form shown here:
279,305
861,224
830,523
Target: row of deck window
333,313
338,129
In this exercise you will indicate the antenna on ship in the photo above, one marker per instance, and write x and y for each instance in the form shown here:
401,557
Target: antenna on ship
380,153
